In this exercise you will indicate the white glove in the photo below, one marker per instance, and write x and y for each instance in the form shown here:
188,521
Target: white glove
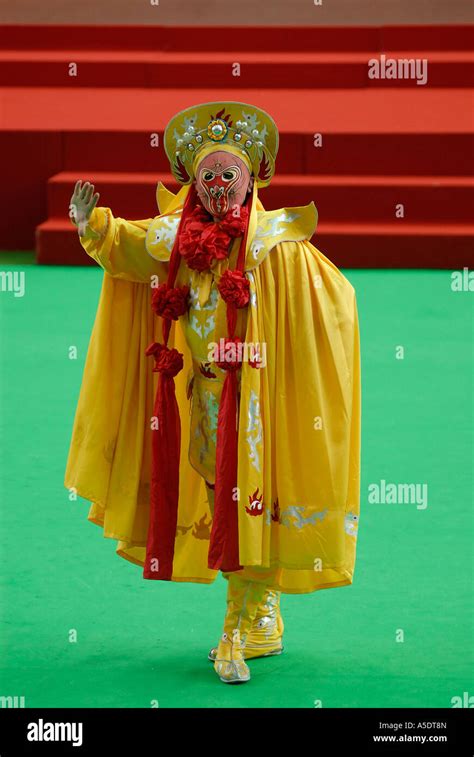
83,202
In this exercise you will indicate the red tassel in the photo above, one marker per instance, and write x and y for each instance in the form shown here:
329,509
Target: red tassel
166,441
224,545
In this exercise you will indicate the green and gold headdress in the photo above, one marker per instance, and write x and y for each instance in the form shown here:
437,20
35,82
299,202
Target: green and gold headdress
245,130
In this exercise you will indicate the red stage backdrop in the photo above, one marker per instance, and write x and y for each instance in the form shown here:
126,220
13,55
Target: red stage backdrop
388,161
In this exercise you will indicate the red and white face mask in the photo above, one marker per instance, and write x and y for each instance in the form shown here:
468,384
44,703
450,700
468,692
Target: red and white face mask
222,182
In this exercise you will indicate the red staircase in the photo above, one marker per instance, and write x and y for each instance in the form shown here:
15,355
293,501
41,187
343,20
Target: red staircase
385,143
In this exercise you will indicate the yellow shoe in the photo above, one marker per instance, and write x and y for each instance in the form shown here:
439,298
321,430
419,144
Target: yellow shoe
243,599
266,634
229,661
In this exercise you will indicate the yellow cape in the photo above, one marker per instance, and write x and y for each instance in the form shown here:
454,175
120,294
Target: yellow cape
299,425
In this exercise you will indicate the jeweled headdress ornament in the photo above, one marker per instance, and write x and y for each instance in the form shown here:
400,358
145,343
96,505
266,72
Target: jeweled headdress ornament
245,130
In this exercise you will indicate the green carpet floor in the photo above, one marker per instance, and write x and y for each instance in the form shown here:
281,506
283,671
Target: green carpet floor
140,641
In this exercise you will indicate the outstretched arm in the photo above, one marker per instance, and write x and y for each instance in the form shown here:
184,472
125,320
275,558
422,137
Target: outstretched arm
117,245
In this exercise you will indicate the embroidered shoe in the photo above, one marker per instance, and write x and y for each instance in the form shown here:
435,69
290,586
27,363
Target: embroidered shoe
229,662
243,599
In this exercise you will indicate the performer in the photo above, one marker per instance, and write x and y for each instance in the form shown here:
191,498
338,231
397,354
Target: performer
218,422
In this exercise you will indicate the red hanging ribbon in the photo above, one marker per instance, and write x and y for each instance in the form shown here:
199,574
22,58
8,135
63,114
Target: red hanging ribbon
224,545
164,495
166,438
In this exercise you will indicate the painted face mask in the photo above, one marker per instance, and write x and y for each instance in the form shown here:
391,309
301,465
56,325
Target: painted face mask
222,181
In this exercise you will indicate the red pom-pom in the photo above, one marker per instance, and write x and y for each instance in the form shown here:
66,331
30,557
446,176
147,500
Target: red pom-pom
170,362
234,288
170,302
190,233
201,240
199,260
212,244
234,225
232,354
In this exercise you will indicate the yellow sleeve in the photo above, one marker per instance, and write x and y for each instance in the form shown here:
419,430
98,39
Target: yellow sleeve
118,246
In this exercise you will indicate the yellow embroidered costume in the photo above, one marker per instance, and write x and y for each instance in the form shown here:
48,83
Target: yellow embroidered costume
298,412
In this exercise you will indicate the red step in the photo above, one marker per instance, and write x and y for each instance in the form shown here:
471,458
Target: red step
263,38
363,245
368,111
300,70
338,198
410,153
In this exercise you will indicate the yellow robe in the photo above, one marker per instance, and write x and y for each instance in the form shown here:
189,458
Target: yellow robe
299,416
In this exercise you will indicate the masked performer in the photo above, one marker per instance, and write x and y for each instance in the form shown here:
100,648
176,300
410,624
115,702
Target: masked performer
218,422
